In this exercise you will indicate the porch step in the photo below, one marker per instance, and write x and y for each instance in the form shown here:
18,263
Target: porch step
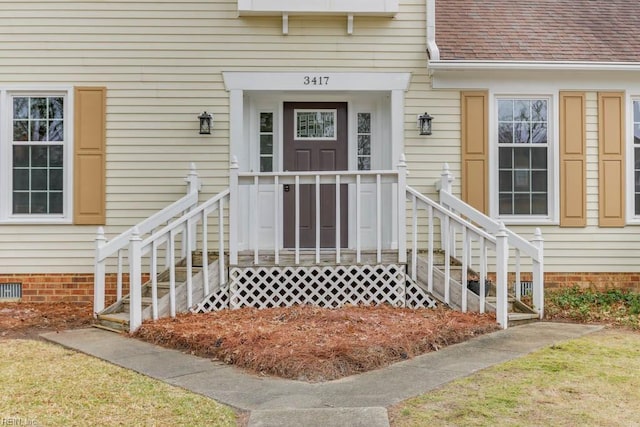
513,305
516,319
115,322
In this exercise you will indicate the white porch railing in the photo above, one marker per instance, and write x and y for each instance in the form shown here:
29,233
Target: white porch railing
510,249
116,249
356,180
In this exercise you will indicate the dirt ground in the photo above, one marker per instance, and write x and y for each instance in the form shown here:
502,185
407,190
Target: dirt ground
314,344
304,343
29,320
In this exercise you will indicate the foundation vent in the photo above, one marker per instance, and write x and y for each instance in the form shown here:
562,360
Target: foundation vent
10,291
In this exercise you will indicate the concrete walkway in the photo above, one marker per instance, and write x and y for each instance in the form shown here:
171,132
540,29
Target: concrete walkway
359,400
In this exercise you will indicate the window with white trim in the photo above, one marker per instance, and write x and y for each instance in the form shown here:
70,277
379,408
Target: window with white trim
636,156
34,155
266,142
364,141
523,141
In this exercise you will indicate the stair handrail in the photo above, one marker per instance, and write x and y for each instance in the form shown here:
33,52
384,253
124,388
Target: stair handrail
106,249
533,249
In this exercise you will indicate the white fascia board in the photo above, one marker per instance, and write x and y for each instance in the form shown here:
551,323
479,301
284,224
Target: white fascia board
321,7
315,81
452,65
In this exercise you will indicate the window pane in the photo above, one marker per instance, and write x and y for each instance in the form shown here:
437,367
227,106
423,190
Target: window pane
636,111
20,156
539,133
56,108
55,203
56,131
637,205
20,203
20,108
539,181
637,181
38,108
506,161
505,110
521,110
315,124
20,130
521,133
39,179
364,145
505,133
539,204
21,179
55,159
636,133
521,158
539,158
364,163
521,181
38,130
39,155
266,144
266,122
539,110
55,179
506,181
364,122
506,204
39,202
521,204
266,164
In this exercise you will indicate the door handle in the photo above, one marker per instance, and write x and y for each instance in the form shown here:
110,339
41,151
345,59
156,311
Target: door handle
286,188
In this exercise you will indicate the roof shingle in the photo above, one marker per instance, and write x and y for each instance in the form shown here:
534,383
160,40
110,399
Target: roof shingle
539,30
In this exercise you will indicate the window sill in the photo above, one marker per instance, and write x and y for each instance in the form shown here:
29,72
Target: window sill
35,221
325,7
527,220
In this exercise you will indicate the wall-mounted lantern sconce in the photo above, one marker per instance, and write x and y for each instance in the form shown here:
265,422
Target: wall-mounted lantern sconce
205,123
424,122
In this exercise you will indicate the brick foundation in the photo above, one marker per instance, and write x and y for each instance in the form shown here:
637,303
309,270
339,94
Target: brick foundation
78,288
64,287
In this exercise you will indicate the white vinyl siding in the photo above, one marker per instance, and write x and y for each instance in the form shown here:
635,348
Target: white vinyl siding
162,65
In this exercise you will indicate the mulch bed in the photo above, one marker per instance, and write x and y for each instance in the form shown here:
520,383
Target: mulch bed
315,344
28,320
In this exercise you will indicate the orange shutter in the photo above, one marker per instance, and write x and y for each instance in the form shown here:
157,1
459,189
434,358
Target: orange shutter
89,156
611,188
573,159
475,149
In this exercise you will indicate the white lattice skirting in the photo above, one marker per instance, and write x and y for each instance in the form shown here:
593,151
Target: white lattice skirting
324,286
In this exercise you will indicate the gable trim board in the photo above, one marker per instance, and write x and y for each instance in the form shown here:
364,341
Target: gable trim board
611,159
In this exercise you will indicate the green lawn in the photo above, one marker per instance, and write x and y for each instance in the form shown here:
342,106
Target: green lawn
44,384
592,381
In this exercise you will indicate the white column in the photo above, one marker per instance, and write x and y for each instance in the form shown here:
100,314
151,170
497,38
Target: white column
402,213
99,274
135,280
538,274
233,212
502,254
397,147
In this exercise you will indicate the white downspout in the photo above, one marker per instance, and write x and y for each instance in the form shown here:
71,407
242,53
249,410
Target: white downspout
432,47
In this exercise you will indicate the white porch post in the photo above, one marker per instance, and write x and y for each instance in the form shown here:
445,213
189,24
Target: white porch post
397,148
538,274
445,185
99,274
193,187
502,254
135,280
402,213
233,211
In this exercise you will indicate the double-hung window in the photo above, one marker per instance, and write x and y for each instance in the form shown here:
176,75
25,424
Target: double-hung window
34,147
636,156
523,140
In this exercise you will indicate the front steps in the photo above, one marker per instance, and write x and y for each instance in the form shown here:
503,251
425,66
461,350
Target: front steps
311,282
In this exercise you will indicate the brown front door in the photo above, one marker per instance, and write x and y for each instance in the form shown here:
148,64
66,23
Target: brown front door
315,139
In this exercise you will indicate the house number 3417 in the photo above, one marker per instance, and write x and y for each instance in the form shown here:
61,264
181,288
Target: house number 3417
316,80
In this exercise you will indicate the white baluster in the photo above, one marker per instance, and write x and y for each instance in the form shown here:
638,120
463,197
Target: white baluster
99,273
135,280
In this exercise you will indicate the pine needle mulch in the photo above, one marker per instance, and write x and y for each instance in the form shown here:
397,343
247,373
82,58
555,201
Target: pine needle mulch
315,344
28,320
